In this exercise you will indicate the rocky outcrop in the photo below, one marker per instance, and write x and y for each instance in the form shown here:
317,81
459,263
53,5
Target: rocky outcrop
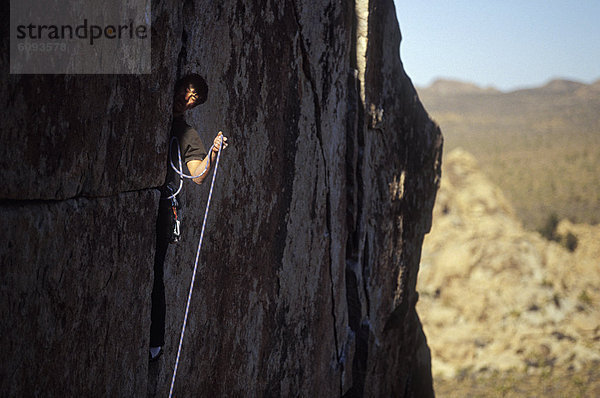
307,277
495,297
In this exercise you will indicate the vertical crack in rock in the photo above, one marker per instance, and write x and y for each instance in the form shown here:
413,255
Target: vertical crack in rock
365,274
182,56
361,10
357,253
307,72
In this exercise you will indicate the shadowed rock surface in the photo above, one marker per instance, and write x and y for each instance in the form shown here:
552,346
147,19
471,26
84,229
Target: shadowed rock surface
307,276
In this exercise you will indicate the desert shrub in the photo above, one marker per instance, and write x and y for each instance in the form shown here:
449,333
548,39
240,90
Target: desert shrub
548,230
584,298
570,242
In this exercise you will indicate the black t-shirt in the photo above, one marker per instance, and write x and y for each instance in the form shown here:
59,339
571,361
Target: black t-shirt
191,148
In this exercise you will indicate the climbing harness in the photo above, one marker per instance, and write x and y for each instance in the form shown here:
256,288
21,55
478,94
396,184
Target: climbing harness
212,184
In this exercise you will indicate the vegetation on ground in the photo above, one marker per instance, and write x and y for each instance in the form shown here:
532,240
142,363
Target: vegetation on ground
549,231
541,382
540,146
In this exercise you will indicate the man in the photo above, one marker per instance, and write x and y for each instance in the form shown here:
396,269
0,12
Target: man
190,92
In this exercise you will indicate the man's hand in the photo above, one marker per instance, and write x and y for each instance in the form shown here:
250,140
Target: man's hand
197,166
217,142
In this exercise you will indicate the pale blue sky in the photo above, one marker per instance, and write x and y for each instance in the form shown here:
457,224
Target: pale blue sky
503,43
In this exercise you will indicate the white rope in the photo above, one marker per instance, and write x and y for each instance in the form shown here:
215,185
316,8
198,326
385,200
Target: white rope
179,171
189,299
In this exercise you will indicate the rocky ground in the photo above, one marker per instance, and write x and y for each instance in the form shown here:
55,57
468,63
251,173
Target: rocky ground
549,383
502,307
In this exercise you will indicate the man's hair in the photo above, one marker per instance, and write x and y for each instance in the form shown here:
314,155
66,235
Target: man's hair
197,82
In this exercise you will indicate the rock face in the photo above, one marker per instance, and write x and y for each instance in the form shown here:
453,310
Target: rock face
497,297
307,276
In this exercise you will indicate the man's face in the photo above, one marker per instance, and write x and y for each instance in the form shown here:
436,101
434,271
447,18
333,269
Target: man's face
185,99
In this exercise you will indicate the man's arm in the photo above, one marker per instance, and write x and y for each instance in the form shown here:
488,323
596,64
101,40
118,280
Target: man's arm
197,166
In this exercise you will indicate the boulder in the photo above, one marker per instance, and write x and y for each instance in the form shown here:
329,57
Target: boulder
496,297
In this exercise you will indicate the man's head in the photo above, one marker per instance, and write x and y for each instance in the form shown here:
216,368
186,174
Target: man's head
190,91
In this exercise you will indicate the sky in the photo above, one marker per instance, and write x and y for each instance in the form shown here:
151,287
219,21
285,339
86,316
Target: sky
506,44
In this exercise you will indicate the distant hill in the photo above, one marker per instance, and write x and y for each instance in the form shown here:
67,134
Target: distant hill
540,145
447,87
559,86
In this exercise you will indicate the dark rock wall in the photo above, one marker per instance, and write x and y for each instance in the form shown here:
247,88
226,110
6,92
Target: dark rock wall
404,157
306,283
74,295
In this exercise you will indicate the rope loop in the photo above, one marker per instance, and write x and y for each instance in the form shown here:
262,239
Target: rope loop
179,170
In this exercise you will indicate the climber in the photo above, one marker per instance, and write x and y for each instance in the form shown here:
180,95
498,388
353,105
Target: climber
190,91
